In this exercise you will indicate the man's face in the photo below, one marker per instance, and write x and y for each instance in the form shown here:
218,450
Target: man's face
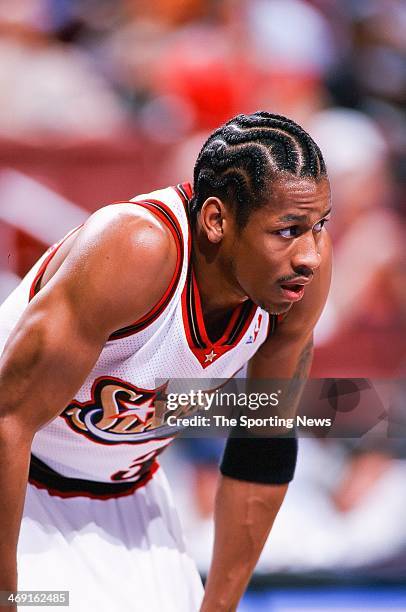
278,251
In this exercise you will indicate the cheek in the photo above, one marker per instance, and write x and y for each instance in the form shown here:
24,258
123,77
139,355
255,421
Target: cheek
324,244
259,261
257,268
266,256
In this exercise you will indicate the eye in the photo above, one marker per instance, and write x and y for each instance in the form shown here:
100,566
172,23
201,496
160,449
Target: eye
319,226
289,232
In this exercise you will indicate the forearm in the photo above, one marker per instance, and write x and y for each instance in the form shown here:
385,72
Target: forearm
43,364
15,447
244,515
38,377
245,511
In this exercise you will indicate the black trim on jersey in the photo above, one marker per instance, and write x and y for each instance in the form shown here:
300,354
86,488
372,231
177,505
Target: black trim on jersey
273,324
179,187
44,475
191,312
168,216
244,314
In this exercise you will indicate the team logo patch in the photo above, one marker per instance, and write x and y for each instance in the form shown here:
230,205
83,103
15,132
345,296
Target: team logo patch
118,412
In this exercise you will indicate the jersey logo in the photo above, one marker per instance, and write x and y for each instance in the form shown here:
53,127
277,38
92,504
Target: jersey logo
252,337
117,413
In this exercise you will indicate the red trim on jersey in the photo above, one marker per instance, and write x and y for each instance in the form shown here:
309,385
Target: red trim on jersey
200,320
204,349
188,188
165,214
41,271
184,191
79,493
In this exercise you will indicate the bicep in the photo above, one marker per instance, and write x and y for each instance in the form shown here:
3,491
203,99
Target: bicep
45,361
104,283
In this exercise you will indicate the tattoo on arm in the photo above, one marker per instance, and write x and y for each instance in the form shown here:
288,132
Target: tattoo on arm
304,361
297,383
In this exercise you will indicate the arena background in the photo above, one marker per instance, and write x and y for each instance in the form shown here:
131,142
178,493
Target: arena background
102,100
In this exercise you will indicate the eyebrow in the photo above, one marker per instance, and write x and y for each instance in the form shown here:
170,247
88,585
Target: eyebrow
299,218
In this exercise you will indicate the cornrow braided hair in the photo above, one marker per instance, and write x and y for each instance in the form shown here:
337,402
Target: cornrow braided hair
241,158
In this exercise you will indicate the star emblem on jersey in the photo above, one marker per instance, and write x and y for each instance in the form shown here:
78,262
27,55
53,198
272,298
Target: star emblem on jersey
210,356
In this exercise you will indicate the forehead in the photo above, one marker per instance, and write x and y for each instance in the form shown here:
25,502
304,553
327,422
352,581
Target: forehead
295,195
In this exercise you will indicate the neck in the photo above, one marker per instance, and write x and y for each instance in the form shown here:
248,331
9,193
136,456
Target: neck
218,289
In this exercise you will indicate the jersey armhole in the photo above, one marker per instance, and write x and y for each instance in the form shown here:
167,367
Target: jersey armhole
50,253
165,215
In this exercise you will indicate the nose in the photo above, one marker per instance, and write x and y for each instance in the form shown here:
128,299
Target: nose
306,256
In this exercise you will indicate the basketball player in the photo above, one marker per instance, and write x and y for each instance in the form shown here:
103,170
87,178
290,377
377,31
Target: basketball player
179,283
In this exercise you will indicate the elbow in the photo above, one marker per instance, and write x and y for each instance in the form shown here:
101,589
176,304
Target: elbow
19,368
15,432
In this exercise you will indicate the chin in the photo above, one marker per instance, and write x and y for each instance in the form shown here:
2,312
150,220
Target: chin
275,309
280,310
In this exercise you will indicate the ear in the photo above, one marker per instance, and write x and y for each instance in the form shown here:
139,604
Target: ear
212,218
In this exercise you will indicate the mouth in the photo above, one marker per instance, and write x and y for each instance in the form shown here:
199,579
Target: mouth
292,292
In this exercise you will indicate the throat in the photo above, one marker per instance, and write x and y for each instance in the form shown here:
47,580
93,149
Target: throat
216,323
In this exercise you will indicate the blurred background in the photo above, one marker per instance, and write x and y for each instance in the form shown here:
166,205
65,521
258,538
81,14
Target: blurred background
102,100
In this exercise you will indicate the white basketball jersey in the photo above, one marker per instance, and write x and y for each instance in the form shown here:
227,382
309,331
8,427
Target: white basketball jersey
94,447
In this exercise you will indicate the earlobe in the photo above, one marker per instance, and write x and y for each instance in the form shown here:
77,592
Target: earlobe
215,232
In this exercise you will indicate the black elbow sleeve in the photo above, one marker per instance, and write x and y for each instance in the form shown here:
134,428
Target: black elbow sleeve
262,460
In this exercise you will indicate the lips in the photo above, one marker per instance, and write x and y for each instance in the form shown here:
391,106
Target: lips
293,291
292,287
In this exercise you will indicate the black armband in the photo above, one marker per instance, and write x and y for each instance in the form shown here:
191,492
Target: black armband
257,459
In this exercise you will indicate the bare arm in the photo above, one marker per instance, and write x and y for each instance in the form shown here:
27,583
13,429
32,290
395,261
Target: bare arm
244,514
115,271
245,511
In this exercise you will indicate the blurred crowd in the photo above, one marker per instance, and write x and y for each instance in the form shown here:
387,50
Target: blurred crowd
110,98
171,68
342,516
163,74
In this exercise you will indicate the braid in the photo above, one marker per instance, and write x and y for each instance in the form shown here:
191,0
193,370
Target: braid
240,159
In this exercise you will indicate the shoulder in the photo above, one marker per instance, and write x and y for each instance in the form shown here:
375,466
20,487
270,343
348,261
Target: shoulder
127,226
118,267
